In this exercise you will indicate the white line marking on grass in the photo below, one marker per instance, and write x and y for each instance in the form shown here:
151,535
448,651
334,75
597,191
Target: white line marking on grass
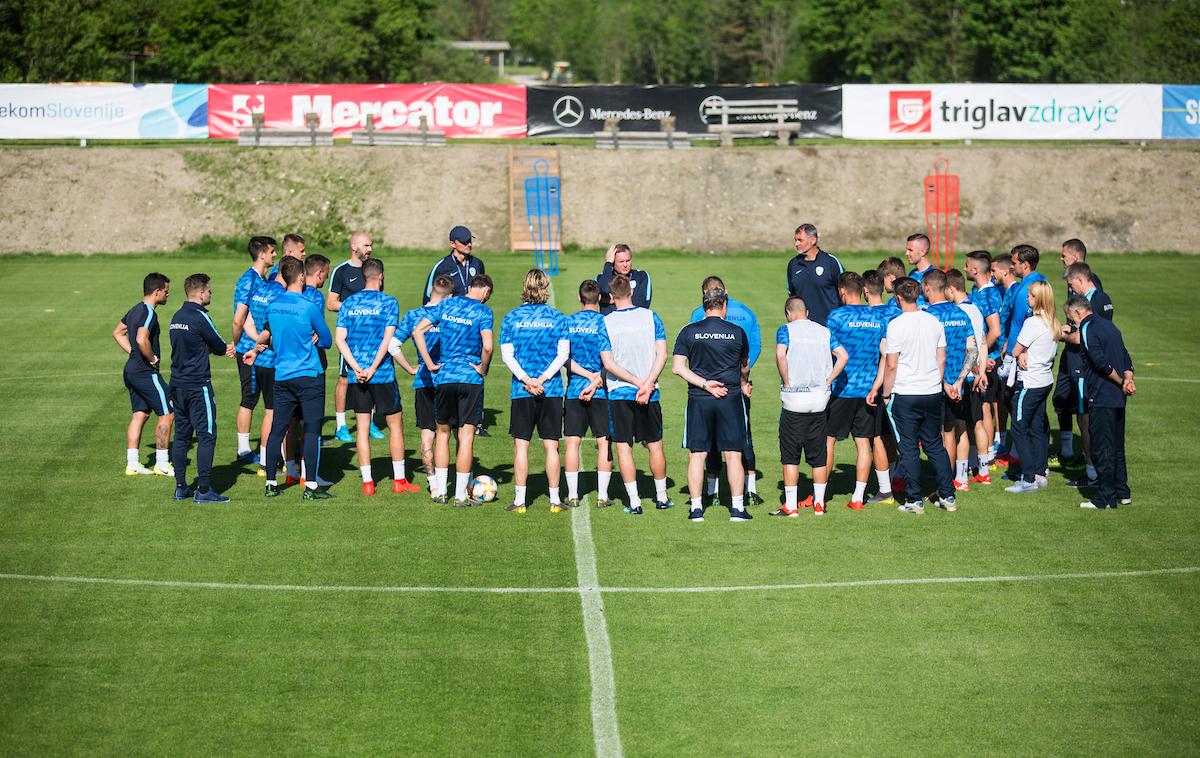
291,587
595,628
1165,379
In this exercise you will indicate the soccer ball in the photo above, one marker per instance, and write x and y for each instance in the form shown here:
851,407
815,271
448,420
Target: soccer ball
483,489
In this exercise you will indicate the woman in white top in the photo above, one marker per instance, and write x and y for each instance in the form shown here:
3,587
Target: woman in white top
1034,353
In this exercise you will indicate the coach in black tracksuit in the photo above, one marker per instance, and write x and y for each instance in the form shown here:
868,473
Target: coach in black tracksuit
193,339
1108,380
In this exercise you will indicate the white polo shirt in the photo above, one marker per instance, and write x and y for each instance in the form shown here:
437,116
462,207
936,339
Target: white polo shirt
916,337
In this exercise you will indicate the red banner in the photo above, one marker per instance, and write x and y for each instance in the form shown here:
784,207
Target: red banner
460,110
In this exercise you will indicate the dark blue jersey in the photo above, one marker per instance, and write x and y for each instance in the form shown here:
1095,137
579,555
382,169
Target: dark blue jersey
366,317
858,329
193,338
1104,352
583,330
460,275
715,350
639,282
738,313
141,316
346,279
957,325
815,282
293,321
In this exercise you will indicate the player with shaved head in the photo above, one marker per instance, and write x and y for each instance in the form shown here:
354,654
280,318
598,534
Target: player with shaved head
346,280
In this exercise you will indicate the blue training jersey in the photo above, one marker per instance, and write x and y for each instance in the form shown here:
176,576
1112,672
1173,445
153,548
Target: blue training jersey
259,303
583,330
858,329
293,321
246,285
1020,308
433,342
462,321
889,311
957,325
314,296
738,313
989,300
534,330
366,316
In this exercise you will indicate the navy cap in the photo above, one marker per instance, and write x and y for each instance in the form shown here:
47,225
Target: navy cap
461,234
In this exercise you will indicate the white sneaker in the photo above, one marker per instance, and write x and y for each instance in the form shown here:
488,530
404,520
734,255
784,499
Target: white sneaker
168,471
138,470
1041,481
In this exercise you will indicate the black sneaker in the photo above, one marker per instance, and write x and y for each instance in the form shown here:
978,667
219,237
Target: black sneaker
272,490
1082,481
752,498
634,511
711,500
184,493
736,514
211,496
696,514
311,494
664,505
481,431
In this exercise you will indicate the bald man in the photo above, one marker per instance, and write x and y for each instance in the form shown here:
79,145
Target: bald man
347,280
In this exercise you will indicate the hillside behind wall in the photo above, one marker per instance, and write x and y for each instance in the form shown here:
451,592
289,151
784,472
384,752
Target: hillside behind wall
105,199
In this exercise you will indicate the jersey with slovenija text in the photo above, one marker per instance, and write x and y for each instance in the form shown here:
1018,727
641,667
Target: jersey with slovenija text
293,321
583,331
738,313
534,329
366,316
141,316
715,350
957,325
245,288
631,335
260,302
858,329
433,342
462,321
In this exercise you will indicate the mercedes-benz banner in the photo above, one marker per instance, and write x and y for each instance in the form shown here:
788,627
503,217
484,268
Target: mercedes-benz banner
579,111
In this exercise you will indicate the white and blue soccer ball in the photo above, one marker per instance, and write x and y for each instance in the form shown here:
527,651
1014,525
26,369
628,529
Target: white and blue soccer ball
483,489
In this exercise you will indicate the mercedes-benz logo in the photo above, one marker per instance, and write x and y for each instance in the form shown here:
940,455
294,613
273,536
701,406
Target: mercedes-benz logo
708,102
568,111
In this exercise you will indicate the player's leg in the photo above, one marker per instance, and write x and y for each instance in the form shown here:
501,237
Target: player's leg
287,401
815,434
387,400
650,423
341,432
905,417
962,452
182,443
245,412
736,473
1120,473
571,465
553,470
133,441
292,457
520,471
550,426
1102,425
749,462
311,398
789,458
601,429
701,443
862,471
697,465
1085,436
621,421
521,411
468,410
883,453
712,474
930,416
1039,438
728,428
206,445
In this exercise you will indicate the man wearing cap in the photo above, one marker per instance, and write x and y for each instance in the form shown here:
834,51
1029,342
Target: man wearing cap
619,260
460,265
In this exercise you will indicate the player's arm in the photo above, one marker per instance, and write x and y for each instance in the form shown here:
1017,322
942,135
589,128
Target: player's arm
840,359
890,362
660,362
418,337
320,328
240,311
144,346
781,364
394,348
877,385
971,360
755,338
333,302
560,359
611,366
508,356
609,257
680,368
340,340
993,332
485,353
216,344
121,335
382,353
949,389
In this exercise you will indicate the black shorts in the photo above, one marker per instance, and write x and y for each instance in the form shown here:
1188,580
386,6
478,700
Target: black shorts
265,379
458,404
802,432
958,410
850,416
250,388
715,423
630,422
581,415
423,404
1069,395
883,427
148,393
342,367
992,393
542,413
364,398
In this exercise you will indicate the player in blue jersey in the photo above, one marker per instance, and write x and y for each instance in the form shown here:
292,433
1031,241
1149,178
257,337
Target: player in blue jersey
1024,263
916,250
713,356
740,314
877,282
972,431
989,299
534,347
346,279
812,274
296,331
586,404
365,325
422,382
193,338
262,256
465,326
263,361
137,334
633,350
1005,279
962,355
857,330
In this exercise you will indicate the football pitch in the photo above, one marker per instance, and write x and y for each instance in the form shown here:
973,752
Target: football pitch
132,625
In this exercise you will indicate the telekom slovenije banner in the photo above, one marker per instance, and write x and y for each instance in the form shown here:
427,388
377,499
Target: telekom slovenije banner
103,111
460,110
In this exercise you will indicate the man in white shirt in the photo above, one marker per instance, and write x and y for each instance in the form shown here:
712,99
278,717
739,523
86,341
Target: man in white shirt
912,383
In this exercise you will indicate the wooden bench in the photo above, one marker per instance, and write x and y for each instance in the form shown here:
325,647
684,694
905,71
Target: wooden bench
423,136
258,136
760,117
667,138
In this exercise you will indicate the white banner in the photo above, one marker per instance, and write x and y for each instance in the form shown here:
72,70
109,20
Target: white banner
104,111
1002,111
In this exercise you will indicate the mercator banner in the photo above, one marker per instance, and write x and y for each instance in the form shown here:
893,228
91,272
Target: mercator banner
1002,111
580,111
103,111
459,110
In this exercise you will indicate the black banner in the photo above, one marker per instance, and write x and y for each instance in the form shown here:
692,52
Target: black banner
579,111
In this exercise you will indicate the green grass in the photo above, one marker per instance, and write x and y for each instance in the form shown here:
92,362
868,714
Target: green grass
1068,667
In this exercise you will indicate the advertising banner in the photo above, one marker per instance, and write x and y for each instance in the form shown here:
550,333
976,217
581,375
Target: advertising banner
103,111
580,111
1181,112
460,110
1002,111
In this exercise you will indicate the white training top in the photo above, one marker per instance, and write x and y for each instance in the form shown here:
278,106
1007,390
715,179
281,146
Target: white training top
916,336
809,362
1039,344
977,326
631,334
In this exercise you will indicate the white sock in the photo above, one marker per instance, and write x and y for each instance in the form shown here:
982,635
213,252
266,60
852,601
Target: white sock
1066,444
272,482
751,483
602,478
341,419
1090,470
291,468
303,470
960,471
884,478
985,461
460,484
712,485
554,496
696,504
262,455
572,485
131,457
310,485
860,491
398,470
996,439
520,497
243,443
660,489
160,458
789,498
819,493
736,502
439,480
366,473
631,490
